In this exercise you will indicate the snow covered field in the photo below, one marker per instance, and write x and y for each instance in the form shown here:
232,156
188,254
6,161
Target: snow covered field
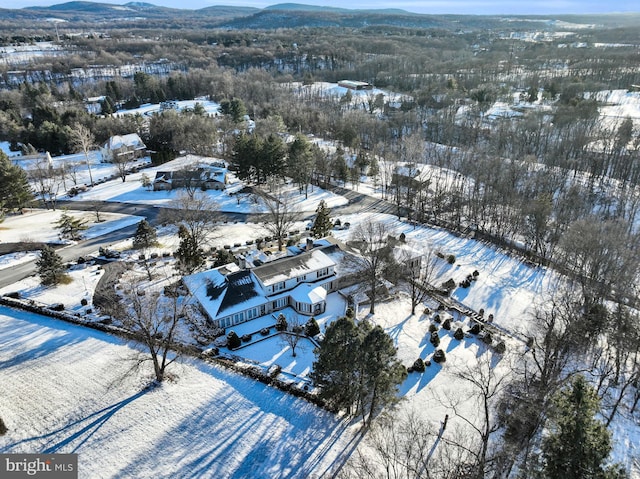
37,225
65,389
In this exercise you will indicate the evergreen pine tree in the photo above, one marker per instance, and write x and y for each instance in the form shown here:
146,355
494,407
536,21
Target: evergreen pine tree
578,443
69,226
334,370
311,328
233,340
146,182
15,192
356,368
281,323
382,372
322,224
49,266
145,236
190,256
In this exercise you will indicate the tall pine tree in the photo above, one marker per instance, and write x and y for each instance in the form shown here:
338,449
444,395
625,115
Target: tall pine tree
15,192
357,369
145,236
50,267
322,224
333,371
190,256
578,443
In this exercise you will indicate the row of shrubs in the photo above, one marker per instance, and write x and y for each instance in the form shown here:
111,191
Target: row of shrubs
270,377
439,356
311,328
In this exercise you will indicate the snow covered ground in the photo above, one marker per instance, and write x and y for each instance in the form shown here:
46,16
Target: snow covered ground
65,390
618,105
133,192
38,225
210,423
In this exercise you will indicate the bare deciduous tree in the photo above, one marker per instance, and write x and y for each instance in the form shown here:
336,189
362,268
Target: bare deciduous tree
282,213
292,336
46,182
486,387
196,213
82,140
372,239
153,319
396,446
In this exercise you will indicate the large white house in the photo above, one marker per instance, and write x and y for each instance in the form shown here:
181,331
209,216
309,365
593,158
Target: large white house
123,147
300,282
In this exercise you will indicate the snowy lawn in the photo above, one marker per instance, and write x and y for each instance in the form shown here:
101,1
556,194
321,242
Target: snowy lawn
506,287
14,259
65,390
84,279
132,191
38,225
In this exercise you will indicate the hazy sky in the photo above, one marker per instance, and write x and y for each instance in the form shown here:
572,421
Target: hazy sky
480,7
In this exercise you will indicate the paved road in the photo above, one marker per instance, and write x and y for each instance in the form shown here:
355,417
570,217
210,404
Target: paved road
358,203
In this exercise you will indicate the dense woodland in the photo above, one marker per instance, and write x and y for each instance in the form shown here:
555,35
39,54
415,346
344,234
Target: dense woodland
554,184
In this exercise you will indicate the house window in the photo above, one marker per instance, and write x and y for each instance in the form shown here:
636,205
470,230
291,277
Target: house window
323,272
279,286
302,278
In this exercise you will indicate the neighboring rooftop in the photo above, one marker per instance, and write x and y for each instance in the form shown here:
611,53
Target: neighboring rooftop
285,269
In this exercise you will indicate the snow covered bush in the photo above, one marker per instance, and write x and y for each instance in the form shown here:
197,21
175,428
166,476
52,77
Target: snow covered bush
439,356
311,328
281,323
418,365
459,334
435,339
233,341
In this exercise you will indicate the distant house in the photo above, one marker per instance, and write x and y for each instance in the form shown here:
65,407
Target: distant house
210,178
355,85
123,147
407,256
38,160
412,175
301,282
94,104
162,181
